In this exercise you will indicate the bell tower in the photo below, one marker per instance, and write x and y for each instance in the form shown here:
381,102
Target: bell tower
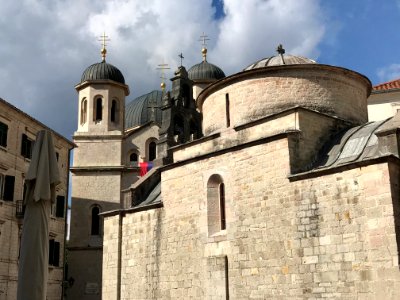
96,171
181,122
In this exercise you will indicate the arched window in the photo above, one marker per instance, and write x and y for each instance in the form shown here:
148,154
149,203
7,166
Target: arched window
99,109
114,111
152,151
83,111
216,213
133,159
179,129
95,221
222,205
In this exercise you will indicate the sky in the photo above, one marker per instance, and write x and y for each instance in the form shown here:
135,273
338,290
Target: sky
47,44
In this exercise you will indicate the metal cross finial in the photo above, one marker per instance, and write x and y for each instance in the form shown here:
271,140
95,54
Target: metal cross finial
181,57
203,39
280,49
104,38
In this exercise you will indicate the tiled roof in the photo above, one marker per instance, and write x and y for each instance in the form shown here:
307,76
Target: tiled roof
394,84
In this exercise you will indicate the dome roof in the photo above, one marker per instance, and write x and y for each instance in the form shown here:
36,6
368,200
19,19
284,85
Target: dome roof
101,71
280,60
138,111
205,71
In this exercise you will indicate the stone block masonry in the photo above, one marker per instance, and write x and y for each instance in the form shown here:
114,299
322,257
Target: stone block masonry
330,236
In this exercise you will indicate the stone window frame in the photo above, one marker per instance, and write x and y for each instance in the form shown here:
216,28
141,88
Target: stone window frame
216,205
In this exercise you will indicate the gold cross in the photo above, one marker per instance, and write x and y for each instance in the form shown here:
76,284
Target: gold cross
104,38
203,39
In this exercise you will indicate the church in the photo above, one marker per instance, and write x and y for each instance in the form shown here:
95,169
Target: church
268,183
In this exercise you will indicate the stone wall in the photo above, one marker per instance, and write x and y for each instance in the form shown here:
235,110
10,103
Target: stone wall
257,93
331,235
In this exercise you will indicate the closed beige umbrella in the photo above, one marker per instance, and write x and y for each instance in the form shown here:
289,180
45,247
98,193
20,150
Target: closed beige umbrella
41,180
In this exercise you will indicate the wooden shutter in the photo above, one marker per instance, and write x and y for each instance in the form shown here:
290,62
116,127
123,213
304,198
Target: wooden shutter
9,183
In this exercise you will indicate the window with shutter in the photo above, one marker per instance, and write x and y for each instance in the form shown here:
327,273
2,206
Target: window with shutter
9,182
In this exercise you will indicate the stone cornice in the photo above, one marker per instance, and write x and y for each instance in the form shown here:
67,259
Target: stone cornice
86,83
117,137
99,168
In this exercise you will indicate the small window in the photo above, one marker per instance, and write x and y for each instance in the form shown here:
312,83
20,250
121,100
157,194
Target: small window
54,253
99,109
95,221
216,213
8,189
1,186
152,151
222,205
60,206
114,111
133,159
227,111
3,134
84,111
26,146
57,156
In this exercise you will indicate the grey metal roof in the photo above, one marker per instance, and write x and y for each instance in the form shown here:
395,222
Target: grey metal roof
279,60
138,111
153,197
205,71
101,71
352,145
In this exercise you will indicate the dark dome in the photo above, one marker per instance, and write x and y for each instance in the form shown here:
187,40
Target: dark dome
101,71
280,60
138,111
205,71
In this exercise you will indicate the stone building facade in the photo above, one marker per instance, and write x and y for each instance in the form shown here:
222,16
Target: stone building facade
17,135
290,194
286,191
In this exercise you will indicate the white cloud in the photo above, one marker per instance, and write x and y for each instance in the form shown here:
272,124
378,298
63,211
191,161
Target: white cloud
46,44
389,72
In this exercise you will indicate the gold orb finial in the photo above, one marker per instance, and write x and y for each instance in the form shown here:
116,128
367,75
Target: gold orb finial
204,52
104,38
162,85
